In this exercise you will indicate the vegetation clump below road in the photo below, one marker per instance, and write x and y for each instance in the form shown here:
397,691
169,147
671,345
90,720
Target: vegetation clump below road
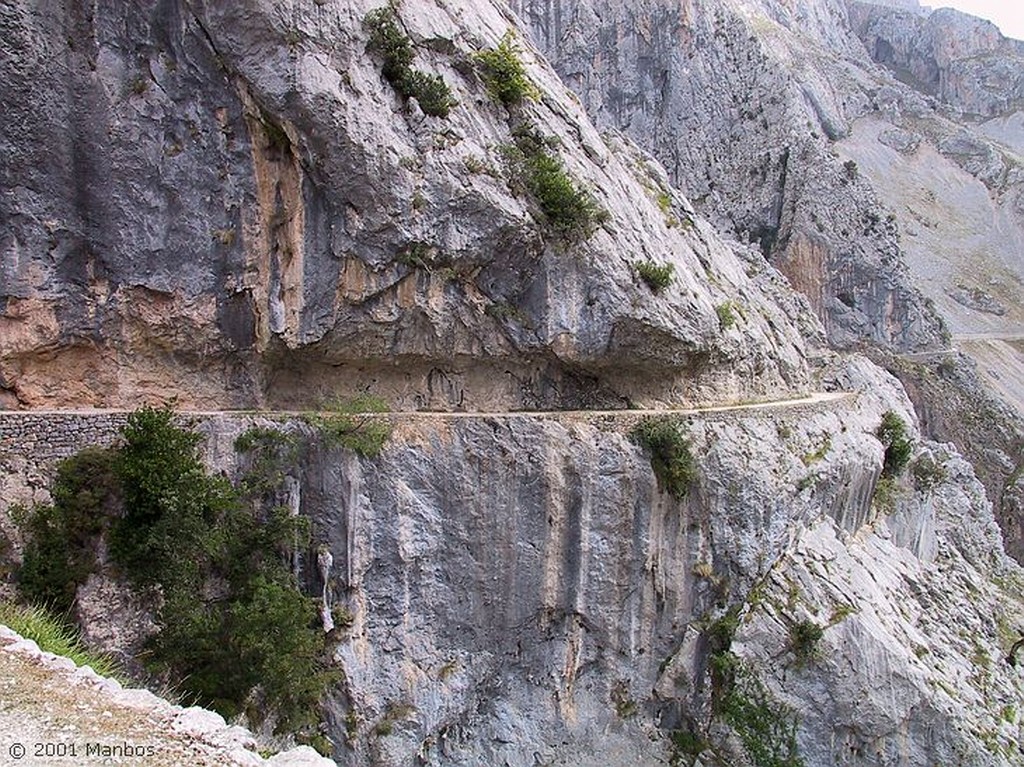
235,632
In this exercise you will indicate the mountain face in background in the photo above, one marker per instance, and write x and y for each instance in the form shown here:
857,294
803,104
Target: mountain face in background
229,203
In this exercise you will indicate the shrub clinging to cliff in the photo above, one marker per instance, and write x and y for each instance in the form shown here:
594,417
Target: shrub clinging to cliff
569,211
389,42
236,634
503,73
657,277
892,433
357,424
671,457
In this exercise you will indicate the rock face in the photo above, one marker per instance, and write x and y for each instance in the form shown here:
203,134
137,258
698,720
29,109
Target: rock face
521,590
866,146
950,169
234,207
740,102
960,59
229,203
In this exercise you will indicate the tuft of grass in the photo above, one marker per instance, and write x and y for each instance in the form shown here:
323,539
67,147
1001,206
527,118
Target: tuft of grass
657,277
671,457
841,612
819,454
55,635
625,706
503,73
726,315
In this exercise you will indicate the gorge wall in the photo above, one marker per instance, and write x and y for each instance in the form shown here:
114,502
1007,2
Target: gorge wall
740,101
233,207
874,150
228,204
520,589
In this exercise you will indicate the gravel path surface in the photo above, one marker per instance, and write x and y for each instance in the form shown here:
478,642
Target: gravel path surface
54,713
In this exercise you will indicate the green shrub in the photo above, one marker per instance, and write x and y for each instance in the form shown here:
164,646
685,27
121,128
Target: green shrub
569,211
766,728
61,539
722,630
726,315
687,745
928,473
356,424
671,458
235,633
430,91
54,635
657,277
886,494
389,42
503,73
892,433
803,639
169,501
267,452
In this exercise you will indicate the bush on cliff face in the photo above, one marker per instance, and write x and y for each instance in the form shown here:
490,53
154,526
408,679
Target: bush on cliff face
671,458
389,42
356,424
892,433
657,277
503,73
569,211
766,728
61,538
235,633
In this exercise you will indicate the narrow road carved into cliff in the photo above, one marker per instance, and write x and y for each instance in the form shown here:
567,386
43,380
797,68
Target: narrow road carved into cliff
815,398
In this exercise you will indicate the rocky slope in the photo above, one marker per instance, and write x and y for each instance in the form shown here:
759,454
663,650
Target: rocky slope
522,590
60,714
229,203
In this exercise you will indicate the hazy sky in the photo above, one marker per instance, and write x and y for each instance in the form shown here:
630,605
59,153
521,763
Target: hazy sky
1008,15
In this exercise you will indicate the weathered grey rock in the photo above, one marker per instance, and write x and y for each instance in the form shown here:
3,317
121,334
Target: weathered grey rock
514,603
919,195
213,202
522,592
520,588
739,102
961,59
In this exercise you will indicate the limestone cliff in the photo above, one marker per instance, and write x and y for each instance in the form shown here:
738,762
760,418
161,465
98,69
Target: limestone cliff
741,101
228,202
873,149
521,591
